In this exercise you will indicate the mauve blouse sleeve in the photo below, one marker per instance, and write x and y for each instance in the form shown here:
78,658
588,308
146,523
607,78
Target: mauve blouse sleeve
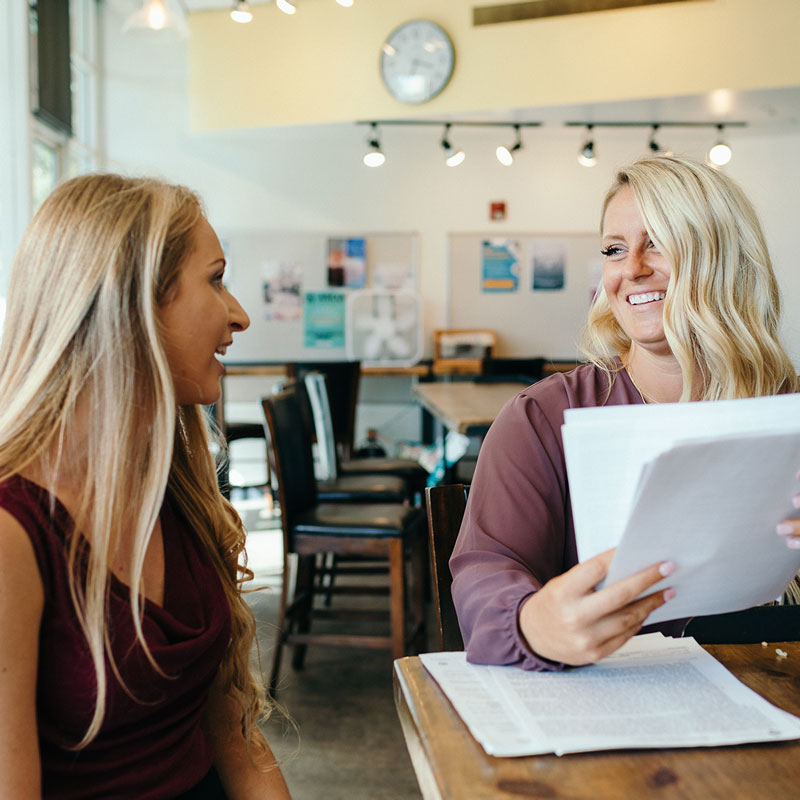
512,539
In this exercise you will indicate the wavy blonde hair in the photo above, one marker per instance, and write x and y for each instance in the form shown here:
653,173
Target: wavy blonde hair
722,308
82,332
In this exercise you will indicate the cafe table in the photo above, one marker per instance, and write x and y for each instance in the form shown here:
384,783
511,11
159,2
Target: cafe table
465,407
451,765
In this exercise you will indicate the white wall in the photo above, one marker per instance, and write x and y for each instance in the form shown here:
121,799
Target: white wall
311,178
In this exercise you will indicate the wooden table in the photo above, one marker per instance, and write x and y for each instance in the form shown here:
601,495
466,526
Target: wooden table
451,765
463,406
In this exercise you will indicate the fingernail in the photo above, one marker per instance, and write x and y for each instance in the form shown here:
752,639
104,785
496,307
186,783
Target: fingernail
668,594
793,544
784,527
666,568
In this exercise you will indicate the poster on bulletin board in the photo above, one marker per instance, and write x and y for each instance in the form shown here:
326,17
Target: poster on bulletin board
347,262
277,273
500,266
548,264
527,322
324,319
281,290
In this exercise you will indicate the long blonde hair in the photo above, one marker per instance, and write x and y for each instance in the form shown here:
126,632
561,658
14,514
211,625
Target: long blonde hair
82,332
722,307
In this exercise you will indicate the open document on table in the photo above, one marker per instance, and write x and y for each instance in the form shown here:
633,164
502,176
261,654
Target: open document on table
653,692
700,484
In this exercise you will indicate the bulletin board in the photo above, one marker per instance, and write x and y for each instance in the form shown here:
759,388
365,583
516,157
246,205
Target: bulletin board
273,274
491,282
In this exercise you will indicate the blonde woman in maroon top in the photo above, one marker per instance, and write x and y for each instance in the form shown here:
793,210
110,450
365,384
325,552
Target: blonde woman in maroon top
124,639
688,310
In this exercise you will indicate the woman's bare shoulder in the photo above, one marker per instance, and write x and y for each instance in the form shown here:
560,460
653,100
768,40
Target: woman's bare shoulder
21,604
18,561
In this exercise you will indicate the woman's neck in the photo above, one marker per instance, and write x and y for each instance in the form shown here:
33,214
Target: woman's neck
63,469
656,376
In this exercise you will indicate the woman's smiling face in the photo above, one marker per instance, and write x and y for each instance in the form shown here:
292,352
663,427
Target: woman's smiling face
198,320
635,273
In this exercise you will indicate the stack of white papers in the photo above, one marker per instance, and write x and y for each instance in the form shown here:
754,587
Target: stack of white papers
700,484
653,692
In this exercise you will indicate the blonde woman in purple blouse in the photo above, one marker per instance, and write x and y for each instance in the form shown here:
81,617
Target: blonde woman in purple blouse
688,310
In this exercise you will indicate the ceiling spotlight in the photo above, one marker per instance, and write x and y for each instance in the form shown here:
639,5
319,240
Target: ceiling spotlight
156,21
345,3
505,155
451,157
241,12
374,157
720,154
287,6
587,156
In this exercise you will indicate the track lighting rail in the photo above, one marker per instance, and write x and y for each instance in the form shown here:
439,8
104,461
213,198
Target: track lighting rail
719,154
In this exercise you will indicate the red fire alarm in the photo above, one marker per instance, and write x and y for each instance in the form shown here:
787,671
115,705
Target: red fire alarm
497,210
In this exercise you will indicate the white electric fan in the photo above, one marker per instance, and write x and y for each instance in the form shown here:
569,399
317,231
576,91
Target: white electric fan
384,328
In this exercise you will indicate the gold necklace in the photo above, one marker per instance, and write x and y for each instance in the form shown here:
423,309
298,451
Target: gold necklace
645,399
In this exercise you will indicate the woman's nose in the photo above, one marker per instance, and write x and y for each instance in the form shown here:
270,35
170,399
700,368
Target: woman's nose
238,316
636,265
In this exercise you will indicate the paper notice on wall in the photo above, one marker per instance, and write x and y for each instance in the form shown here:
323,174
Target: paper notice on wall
281,290
500,266
324,319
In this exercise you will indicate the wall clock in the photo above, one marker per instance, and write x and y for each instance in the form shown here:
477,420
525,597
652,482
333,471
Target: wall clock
417,61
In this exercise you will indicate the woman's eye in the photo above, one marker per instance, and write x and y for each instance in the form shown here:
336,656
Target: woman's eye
217,279
610,251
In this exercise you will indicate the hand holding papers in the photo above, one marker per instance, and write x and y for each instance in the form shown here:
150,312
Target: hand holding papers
700,484
653,692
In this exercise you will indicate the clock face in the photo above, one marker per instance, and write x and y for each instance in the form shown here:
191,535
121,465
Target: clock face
417,61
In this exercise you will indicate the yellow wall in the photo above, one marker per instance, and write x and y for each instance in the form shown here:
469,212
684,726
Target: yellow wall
321,65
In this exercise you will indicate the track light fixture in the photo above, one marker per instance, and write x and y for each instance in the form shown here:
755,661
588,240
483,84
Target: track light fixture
653,144
586,156
451,157
505,155
455,157
241,12
374,157
287,6
720,153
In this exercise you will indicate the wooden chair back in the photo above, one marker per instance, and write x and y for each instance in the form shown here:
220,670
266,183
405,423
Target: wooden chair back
293,458
445,506
342,380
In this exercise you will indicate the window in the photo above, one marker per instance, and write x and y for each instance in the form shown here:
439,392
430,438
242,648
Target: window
64,127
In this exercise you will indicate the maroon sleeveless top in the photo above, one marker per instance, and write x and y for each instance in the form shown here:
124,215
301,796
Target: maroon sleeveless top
151,744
